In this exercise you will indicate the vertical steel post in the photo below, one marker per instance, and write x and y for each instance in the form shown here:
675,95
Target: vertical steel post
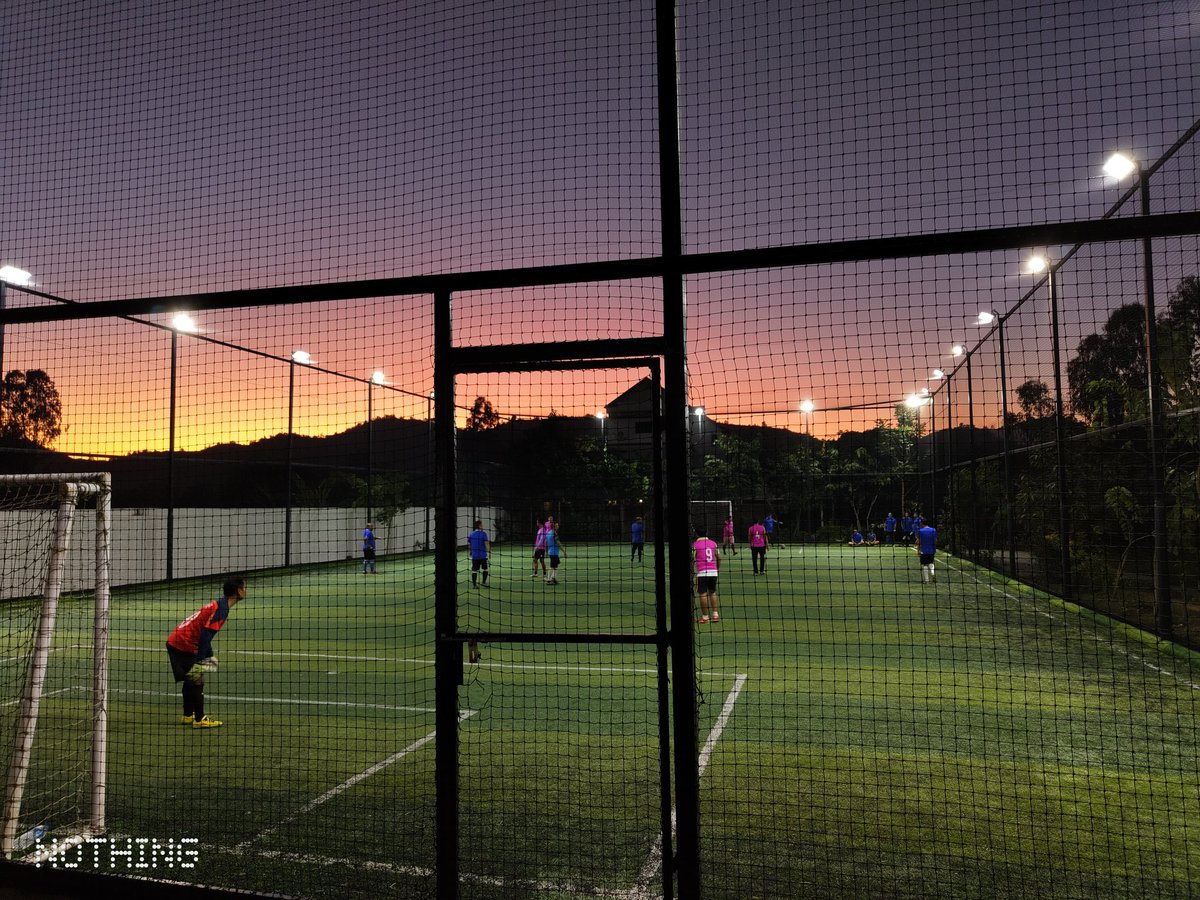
429,426
371,449
171,460
971,449
1008,496
447,651
287,518
687,759
1064,517
933,458
950,498
1156,434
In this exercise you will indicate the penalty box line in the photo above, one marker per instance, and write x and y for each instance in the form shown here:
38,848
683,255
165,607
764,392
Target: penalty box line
641,889
1095,636
347,784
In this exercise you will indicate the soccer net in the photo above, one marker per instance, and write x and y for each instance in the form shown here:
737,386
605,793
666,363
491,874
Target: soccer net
710,516
53,655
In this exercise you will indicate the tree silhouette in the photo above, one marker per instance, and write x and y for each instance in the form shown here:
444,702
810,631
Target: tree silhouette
482,417
30,409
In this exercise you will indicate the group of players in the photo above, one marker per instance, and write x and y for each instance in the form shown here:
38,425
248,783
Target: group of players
906,533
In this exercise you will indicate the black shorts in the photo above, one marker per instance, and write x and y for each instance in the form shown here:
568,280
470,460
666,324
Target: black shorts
369,553
554,562
477,564
181,662
926,559
706,584
539,553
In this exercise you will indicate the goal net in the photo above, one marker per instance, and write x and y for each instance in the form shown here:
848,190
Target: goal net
54,585
710,515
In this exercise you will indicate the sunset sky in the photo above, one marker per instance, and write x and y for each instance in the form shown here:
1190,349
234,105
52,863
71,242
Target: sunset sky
171,148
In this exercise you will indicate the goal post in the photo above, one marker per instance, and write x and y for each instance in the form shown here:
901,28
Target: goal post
710,516
37,515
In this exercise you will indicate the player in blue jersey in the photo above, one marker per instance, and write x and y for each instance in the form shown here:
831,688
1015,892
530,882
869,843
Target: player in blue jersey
926,548
369,549
856,538
481,551
554,550
889,529
638,536
906,528
769,524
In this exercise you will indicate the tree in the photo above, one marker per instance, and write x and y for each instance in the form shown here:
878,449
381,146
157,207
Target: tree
482,417
30,409
1107,375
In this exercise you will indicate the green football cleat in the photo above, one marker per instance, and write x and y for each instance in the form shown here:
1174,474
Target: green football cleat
186,720
207,722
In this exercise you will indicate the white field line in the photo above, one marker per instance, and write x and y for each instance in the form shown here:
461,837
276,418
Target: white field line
641,890
1096,637
283,700
43,697
349,783
300,654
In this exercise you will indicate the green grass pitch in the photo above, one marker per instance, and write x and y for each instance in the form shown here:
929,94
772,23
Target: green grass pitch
861,734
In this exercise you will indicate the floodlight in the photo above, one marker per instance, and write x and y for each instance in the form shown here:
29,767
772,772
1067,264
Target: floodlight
15,276
986,317
807,406
914,401
699,412
601,414
377,377
924,392
1036,264
1118,166
184,323
958,350
938,374
302,357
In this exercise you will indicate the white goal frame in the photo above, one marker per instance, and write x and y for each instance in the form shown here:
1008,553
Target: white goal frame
72,488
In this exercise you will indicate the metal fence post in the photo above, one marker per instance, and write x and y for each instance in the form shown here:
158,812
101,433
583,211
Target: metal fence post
1064,516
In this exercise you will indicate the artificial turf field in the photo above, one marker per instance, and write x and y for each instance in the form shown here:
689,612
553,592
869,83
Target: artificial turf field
862,735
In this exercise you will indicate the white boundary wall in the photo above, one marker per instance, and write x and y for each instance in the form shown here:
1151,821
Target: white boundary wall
219,541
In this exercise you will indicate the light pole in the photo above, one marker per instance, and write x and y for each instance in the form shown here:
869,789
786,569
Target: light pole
1037,265
1118,167
986,318
303,358
602,415
915,402
807,408
18,278
936,375
377,377
180,323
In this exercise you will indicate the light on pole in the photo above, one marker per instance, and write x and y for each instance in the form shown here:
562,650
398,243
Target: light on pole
987,318
1119,166
181,323
602,415
807,407
1038,265
377,377
300,357
17,278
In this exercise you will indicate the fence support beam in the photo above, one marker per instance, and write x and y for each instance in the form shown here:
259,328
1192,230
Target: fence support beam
1064,516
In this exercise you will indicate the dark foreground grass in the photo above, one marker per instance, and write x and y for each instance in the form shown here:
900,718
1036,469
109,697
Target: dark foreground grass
865,736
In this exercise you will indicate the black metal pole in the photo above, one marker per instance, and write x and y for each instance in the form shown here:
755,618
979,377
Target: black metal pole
971,449
950,467
171,461
687,750
1156,434
1064,518
1008,497
3,306
447,651
287,518
370,450
432,465
933,458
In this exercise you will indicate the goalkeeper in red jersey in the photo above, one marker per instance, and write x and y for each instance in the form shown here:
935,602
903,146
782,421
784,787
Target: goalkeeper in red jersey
191,653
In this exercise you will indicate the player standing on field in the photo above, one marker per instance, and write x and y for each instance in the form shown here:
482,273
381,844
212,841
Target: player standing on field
926,548
539,549
728,544
638,536
481,550
758,548
554,550
707,563
769,524
369,549
889,529
190,650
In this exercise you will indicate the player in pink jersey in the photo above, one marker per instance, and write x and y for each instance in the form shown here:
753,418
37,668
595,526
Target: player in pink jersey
728,544
539,548
758,548
708,561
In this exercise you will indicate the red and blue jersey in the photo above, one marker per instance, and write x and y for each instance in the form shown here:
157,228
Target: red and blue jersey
195,633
